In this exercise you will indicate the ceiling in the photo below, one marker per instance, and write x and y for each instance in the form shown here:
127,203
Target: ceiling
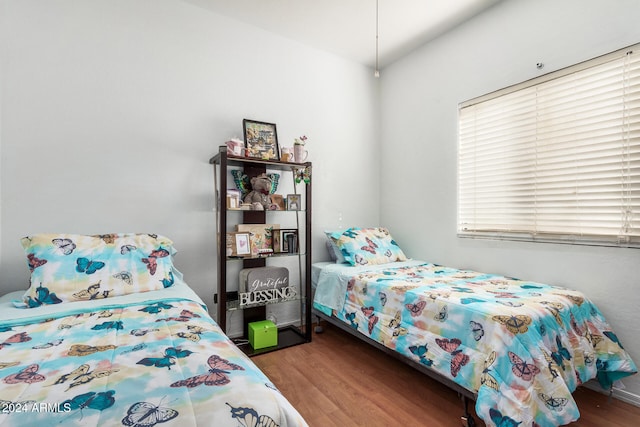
348,27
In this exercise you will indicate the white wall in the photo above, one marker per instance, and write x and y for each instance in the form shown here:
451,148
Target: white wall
419,98
111,109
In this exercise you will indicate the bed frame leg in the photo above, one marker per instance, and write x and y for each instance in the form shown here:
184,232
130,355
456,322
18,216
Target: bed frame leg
467,420
318,329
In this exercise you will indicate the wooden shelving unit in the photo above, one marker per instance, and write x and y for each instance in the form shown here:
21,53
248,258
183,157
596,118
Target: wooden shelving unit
222,164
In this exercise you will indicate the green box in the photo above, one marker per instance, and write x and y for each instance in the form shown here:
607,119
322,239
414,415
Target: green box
263,334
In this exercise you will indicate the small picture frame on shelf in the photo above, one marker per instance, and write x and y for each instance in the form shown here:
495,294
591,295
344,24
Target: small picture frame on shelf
276,241
233,199
280,243
285,240
261,140
277,202
238,244
294,202
289,241
243,244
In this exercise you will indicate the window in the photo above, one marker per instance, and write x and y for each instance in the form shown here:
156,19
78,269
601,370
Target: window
556,158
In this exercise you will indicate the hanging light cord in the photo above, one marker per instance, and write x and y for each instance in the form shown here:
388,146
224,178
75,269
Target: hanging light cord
376,73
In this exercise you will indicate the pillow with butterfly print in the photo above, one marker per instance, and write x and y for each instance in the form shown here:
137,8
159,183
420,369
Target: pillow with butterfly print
368,246
76,267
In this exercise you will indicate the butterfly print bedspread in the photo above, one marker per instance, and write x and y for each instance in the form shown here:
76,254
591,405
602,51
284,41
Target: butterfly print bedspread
521,347
163,363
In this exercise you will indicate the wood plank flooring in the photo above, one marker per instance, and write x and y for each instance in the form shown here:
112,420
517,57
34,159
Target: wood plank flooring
338,380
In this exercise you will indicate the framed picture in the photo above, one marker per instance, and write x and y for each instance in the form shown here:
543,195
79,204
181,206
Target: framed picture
289,241
277,202
233,199
261,140
238,244
280,243
294,203
277,241
243,244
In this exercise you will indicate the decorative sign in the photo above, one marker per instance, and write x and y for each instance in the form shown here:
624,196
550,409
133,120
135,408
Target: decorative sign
263,278
267,296
264,285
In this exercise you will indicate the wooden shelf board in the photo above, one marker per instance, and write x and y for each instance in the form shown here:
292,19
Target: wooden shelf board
288,336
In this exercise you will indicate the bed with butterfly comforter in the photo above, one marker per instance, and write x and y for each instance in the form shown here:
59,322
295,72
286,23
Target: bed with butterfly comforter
109,334
518,348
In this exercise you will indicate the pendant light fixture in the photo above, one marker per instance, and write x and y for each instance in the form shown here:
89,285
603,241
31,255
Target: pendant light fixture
376,72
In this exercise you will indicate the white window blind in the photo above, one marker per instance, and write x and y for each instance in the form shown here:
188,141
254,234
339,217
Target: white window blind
556,158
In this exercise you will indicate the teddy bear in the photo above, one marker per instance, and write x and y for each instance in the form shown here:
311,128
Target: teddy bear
262,186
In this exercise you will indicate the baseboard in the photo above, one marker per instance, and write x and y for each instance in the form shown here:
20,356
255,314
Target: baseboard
618,393
625,396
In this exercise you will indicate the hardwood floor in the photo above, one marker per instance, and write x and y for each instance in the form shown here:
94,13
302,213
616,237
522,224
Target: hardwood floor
338,380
